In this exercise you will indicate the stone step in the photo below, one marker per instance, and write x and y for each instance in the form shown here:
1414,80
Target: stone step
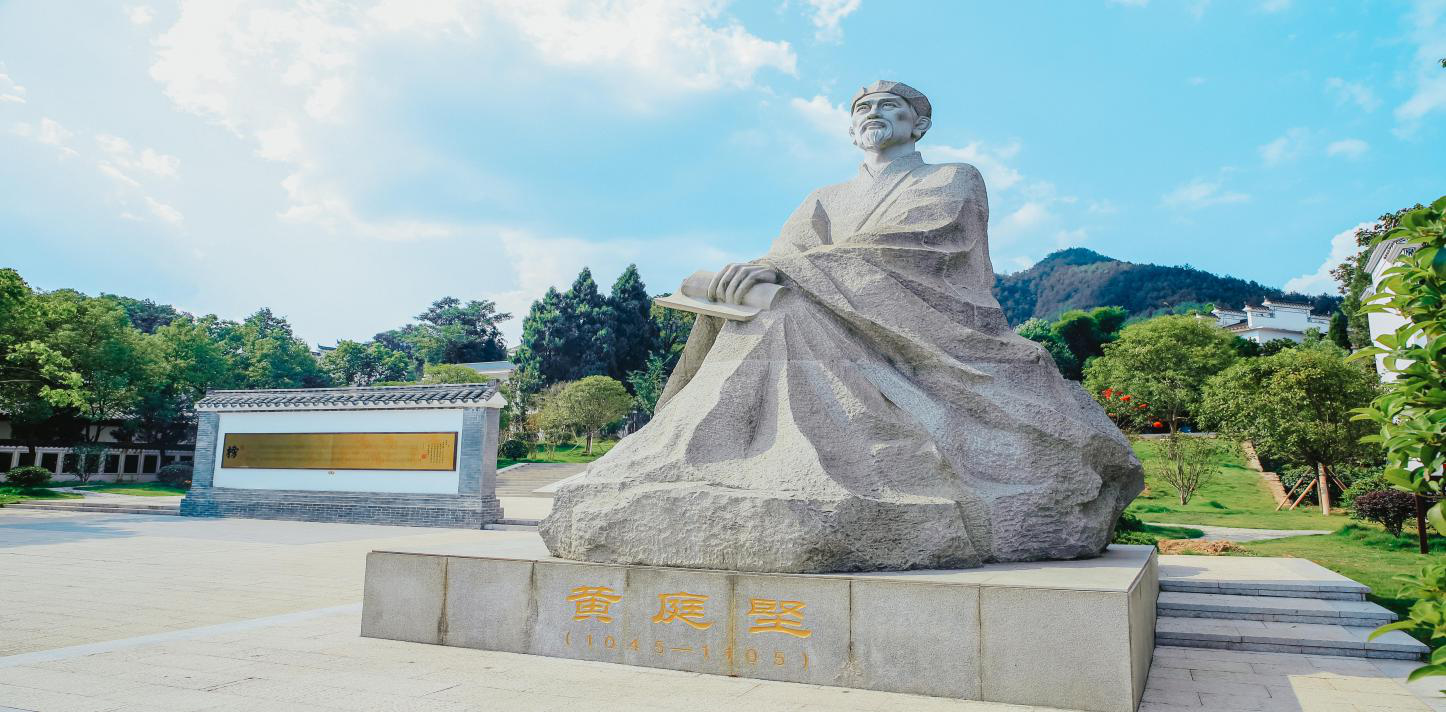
1285,637
500,527
103,509
1273,608
1320,590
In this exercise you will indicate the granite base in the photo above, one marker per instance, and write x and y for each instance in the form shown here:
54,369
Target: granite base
1071,634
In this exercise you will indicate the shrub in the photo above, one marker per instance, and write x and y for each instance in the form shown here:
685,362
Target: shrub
28,476
176,473
1389,508
1362,484
514,450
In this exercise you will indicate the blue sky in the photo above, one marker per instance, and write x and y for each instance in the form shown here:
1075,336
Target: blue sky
348,163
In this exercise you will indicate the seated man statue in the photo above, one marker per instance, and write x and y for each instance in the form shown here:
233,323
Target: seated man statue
879,415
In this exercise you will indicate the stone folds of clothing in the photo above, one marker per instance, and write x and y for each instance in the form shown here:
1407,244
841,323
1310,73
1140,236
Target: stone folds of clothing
880,416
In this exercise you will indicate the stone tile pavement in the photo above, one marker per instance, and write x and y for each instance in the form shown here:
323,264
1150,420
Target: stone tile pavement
120,612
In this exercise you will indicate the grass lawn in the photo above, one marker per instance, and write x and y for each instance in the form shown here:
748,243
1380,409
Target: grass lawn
1152,534
9,495
1236,497
1364,552
137,489
567,452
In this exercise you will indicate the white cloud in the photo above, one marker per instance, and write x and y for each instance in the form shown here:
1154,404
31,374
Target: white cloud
48,132
1428,23
1348,147
1196,81
1352,92
827,118
283,77
673,44
10,92
147,160
827,16
1286,148
164,212
140,15
110,171
1273,6
991,161
1201,193
1343,246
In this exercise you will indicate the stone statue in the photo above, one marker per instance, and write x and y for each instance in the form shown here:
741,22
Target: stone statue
880,414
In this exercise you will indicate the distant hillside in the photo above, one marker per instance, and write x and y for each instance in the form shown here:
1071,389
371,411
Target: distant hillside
1078,278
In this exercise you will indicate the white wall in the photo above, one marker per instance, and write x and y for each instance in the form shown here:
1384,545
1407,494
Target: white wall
339,421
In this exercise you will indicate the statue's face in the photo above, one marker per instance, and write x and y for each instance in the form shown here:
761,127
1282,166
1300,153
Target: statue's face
882,119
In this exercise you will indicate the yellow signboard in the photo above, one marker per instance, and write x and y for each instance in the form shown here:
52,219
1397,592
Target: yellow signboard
340,451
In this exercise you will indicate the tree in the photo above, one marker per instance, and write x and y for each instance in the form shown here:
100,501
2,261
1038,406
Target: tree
587,406
453,332
1189,463
1076,337
674,326
567,336
1354,280
144,314
1295,406
1162,363
1338,333
1407,415
633,331
268,355
648,383
451,373
95,337
355,364
36,380
186,362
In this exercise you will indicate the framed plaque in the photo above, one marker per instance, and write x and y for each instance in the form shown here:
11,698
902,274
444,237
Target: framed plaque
340,451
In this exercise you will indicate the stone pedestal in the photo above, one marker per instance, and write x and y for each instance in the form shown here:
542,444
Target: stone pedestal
1070,634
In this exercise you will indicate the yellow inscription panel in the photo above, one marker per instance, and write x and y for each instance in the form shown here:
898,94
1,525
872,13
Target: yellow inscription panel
340,451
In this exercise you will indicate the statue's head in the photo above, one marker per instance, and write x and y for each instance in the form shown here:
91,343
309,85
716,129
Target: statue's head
886,113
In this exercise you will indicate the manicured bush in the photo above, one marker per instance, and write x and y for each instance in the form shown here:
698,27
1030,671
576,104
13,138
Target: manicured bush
1389,508
513,450
1361,484
28,476
176,473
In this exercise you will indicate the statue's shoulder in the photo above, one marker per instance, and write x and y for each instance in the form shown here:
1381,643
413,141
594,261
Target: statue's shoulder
962,174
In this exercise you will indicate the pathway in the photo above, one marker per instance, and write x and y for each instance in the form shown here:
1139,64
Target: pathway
1239,534
115,612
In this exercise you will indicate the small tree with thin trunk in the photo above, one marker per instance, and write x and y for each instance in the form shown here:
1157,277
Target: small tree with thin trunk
587,406
1188,463
1296,406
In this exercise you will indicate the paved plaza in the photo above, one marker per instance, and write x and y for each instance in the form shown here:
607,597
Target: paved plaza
104,612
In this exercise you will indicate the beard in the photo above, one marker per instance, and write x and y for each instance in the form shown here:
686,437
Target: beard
872,138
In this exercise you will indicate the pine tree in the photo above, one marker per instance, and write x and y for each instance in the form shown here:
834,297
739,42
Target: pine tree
542,351
633,332
586,322
1339,329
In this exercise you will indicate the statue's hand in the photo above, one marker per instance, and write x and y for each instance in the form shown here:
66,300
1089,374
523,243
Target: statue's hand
733,281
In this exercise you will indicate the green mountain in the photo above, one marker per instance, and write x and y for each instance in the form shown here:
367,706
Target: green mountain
1078,278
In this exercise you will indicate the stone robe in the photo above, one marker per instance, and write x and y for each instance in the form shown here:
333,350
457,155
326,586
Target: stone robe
882,415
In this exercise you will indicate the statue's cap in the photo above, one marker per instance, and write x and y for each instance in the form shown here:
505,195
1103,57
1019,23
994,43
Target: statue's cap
915,97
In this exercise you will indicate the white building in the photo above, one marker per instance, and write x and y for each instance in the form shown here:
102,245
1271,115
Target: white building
1271,320
1382,257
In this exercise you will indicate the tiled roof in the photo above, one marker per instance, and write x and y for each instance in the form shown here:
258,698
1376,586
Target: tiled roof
438,396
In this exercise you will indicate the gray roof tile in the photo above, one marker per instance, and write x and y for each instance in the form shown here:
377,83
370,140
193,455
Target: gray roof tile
458,394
